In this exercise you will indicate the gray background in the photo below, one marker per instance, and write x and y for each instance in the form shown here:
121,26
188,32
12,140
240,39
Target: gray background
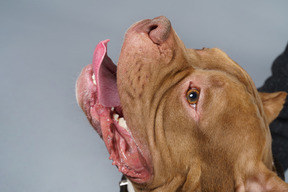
46,143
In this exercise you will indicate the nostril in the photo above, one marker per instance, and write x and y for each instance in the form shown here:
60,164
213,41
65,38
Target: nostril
152,27
159,29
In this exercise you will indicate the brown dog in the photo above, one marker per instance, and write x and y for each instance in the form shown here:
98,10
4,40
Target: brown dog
195,121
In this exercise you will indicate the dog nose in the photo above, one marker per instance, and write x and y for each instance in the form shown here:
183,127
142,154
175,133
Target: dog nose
159,29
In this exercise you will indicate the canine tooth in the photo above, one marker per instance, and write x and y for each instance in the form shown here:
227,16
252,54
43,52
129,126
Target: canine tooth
93,78
112,108
122,123
115,116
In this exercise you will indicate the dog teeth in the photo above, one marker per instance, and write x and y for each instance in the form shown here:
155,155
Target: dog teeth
122,123
116,117
93,78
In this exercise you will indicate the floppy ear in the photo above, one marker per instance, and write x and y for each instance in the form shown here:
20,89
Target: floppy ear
265,180
273,104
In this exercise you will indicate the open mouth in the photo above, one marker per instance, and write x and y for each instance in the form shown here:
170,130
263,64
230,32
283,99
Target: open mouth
98,96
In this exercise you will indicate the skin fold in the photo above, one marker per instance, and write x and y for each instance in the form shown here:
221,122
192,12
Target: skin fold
219,141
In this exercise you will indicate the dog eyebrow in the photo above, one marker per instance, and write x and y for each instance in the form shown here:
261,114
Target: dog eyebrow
217,81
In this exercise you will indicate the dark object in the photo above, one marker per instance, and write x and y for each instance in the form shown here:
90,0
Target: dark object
279,127
279,169
123,184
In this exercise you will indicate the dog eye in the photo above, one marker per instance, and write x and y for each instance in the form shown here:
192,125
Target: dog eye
192,96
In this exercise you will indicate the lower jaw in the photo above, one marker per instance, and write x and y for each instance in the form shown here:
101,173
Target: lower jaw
122,148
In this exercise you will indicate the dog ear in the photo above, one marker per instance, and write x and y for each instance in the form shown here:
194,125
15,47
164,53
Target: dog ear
264,180
273,104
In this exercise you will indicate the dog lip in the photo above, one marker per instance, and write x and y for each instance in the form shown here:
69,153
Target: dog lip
86,97
85,90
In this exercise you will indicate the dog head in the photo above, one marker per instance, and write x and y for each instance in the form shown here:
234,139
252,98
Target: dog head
182,119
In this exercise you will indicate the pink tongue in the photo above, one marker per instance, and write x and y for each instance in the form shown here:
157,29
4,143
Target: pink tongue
105,75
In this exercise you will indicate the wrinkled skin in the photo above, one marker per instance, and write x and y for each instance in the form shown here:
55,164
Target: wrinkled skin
220,143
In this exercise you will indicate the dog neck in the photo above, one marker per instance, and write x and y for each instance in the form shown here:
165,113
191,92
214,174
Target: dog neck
126,185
